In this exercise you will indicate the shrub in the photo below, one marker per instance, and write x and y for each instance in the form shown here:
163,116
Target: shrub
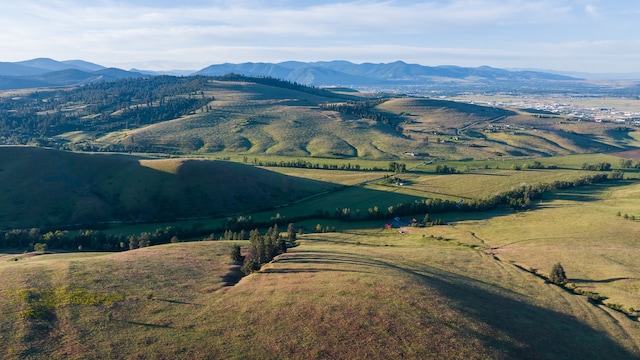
40,248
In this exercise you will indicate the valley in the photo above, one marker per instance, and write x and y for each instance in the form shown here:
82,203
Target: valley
416,227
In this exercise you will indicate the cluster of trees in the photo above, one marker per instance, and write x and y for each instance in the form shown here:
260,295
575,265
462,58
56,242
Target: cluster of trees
264,247
27,239
602,166
361,109
397,167
557,275
285,84
444,169
168,109
304,164
627,216
628,164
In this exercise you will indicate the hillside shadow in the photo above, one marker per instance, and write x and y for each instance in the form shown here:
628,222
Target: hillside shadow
332,259
234,275
590,281
588,193
517,328
175,301
619,136
556,335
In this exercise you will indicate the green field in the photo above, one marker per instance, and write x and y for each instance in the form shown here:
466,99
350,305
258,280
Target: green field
580,229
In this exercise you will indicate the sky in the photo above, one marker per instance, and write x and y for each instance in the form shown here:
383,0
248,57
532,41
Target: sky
601,36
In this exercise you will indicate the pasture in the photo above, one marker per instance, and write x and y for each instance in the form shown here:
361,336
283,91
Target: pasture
364,293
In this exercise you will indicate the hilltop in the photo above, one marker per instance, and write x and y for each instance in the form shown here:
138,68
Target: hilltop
44,188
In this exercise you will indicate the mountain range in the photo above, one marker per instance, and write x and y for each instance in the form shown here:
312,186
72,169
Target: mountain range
44,72
327,73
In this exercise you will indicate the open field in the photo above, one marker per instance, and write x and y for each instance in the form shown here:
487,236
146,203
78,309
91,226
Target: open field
360,294
579,228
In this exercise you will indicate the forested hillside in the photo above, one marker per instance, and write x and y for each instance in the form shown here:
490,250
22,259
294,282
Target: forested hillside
100,107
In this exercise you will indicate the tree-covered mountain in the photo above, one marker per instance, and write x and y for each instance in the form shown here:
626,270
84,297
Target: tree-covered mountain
325,73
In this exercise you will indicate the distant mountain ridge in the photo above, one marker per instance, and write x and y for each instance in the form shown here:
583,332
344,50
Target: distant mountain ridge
44,72
325,73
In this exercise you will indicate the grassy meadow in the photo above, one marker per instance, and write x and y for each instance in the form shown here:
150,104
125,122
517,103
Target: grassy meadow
579,228
357,294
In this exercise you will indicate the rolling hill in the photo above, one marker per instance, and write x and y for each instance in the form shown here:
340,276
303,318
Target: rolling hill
44,187
235,114
254,119
357,295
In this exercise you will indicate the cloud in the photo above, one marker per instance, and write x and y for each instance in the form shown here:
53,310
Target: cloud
591,10
205,31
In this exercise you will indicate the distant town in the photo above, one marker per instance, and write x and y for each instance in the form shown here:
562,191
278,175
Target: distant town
577,108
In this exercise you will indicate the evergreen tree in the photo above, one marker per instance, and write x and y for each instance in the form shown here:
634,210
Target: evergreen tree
558,275
291,234
235,253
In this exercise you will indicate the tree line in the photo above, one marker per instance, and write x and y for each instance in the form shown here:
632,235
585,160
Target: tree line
304,164
518,198
285,84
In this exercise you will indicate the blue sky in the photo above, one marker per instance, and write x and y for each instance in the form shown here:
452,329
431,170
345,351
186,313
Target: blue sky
568,35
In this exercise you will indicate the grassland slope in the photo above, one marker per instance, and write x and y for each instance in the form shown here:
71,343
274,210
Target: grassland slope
367,294
255,118
43,187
